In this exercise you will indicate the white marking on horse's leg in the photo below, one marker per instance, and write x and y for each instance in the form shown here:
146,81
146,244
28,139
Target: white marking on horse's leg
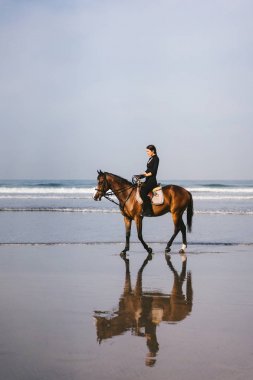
183,257
183,247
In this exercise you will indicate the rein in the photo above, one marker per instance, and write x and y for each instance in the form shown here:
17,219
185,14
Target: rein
107,196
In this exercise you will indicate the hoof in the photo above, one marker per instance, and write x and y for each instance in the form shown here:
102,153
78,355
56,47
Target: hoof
182,251
167,250
150,250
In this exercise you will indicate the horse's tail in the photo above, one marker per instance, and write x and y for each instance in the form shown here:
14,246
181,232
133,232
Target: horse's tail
189,213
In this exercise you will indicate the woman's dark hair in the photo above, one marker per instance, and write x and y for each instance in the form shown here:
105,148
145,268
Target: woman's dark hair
152,147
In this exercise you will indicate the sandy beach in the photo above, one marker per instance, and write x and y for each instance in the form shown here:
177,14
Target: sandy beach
82,312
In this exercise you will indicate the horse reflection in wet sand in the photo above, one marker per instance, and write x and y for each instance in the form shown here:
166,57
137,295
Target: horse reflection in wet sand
141,312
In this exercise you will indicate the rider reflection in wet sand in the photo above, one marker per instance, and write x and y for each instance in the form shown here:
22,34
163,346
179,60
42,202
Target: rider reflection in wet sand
141,312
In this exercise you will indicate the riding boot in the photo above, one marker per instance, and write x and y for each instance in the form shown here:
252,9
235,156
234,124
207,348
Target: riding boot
147,208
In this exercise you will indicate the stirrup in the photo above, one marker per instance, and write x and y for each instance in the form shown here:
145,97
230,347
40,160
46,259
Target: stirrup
147,211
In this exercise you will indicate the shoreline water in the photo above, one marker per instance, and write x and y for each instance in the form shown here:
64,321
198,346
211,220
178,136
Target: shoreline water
64,212
39,227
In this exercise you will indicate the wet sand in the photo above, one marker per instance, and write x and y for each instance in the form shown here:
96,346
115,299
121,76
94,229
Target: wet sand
82,312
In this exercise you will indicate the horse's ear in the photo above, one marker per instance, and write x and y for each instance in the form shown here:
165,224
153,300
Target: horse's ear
100,172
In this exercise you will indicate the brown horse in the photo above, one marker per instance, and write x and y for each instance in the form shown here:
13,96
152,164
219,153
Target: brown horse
176,201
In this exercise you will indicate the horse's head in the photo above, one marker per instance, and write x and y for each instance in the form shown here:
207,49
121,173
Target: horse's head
102,186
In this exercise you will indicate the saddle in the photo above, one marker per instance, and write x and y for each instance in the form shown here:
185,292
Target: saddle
156,196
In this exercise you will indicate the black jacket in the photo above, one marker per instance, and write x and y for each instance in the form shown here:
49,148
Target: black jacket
152,167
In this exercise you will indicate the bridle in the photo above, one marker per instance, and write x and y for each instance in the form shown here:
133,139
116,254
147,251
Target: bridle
109,194
104,186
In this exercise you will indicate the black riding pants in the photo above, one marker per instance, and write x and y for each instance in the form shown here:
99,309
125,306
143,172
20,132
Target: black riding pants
146,188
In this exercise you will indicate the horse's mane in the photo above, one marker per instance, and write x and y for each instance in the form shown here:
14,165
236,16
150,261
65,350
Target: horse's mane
120,179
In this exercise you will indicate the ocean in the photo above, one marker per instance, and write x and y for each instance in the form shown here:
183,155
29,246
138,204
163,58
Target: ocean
64,212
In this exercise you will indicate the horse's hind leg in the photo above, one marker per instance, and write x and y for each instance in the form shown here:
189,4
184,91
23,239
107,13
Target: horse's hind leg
177,219
138,222
176,231
183,230
128,223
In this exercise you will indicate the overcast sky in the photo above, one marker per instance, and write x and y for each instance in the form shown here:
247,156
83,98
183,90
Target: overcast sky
87,84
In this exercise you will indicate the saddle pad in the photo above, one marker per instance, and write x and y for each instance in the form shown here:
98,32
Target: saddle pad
157,188
157,198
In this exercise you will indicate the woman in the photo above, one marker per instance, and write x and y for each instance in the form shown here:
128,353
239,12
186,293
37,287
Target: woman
150,181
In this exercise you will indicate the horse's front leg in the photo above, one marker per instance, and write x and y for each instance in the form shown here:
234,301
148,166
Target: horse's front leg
128,224
138,221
